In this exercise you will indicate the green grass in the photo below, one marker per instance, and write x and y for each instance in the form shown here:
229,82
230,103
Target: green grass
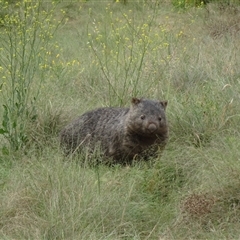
107,53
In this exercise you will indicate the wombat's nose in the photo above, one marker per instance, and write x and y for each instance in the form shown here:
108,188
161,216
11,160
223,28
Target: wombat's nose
152,127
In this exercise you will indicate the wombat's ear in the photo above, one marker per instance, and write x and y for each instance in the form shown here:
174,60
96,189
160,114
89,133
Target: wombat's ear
164,104
135,101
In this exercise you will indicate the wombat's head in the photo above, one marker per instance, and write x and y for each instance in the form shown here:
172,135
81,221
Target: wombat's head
147,117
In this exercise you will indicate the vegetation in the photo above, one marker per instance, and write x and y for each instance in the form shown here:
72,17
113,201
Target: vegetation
61,59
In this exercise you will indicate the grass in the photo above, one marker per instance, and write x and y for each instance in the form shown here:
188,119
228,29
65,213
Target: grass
107,53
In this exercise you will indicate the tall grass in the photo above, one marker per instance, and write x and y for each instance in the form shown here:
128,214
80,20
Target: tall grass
107,53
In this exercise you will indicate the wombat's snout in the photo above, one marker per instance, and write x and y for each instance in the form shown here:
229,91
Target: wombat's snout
152,127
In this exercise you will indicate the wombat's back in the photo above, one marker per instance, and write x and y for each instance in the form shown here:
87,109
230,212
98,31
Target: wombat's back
92,127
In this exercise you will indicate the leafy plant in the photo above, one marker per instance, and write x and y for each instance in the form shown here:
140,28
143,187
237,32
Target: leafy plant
188,3
25,42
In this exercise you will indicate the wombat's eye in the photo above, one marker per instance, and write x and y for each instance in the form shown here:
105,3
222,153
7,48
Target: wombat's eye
159,119
142,117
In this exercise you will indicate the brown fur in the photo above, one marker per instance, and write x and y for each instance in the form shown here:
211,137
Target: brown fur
122,133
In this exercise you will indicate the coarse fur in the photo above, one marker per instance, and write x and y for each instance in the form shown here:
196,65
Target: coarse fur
123,134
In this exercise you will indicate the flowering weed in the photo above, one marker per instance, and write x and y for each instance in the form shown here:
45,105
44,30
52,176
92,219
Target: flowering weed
27,32
123,48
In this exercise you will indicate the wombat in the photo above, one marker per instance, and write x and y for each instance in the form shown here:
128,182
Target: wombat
123,134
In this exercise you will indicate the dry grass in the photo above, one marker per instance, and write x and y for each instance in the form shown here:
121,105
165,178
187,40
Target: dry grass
109,53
